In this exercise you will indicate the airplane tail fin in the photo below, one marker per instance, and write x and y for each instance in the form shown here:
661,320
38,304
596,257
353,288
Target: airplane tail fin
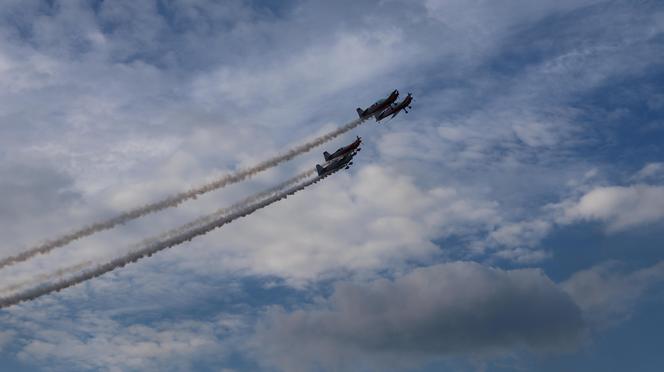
319,169
326,155
359,112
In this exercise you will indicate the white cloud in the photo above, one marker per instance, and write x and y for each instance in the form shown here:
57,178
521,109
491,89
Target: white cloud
5,338
523,256
526,233
54,339
518,241
375,219
649,171
608,292
619,207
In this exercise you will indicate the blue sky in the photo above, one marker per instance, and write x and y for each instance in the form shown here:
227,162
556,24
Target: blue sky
513,220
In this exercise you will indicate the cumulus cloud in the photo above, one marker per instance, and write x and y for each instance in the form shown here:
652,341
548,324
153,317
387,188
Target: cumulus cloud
98,341
5,338
367,221
516,241
443,310
525,233
649,171
33,195
523,255
620,207
609,292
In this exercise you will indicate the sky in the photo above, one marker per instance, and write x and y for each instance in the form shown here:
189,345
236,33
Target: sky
513,220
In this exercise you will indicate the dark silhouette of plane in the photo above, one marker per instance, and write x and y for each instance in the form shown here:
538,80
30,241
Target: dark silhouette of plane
394,109
343,150
379,106
336,164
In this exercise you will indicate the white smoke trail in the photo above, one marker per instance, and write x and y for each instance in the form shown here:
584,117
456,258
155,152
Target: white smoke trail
149,247
177,199
42,277
205,219
234,207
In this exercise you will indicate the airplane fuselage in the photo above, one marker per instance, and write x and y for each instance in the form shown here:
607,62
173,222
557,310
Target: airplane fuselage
343,150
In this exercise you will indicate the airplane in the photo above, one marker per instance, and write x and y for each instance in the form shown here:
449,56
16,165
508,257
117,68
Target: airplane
378,106
343,150
394,109
335,165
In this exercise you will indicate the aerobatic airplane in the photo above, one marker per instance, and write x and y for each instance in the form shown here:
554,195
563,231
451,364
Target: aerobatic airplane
343,150
394,109
336,164
379,106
